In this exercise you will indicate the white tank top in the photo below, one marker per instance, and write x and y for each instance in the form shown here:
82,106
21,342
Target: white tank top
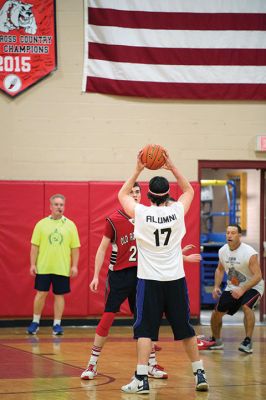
236,264
159,232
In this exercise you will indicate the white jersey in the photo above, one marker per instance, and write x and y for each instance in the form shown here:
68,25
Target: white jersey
236,265
159,232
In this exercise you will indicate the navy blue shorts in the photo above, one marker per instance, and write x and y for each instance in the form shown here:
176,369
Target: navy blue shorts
155,298
60,283
229,305
121,285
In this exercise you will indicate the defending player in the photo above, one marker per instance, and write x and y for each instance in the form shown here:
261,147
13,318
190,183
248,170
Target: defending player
121,281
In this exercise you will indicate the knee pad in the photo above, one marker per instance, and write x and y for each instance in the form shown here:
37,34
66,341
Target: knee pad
105,324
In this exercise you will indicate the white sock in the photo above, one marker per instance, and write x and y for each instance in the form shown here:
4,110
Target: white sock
95,354
142,369
57,322
36,318
152,358
197,365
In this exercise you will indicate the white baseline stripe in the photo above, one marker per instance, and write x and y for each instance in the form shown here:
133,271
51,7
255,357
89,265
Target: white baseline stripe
199,6
184,74
177,39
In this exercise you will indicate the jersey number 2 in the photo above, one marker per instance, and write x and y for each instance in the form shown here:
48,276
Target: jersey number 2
133,254
160,232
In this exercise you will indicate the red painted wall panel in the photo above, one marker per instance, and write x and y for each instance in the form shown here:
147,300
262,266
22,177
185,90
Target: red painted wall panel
192,270
22,204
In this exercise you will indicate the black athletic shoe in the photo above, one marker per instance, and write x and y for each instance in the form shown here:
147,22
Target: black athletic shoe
201,381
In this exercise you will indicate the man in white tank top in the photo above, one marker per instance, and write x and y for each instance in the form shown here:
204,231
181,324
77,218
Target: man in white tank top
161,287
245,287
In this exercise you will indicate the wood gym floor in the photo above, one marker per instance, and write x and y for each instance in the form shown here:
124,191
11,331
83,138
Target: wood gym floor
44,367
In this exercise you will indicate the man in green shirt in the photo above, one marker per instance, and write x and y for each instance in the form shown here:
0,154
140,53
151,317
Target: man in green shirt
54,258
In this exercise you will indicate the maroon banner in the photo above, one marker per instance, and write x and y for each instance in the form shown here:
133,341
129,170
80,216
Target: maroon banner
27,43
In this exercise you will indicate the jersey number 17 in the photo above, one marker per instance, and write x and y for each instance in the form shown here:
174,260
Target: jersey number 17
162,234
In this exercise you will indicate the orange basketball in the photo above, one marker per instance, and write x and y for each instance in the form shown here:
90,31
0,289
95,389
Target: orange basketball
152,156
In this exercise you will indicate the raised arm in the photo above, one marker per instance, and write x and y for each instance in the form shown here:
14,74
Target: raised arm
126,201
188,192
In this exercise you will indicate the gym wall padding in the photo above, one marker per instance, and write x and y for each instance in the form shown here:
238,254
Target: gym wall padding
192,270
23,203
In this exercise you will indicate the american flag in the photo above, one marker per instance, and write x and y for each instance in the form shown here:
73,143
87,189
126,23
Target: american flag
176,49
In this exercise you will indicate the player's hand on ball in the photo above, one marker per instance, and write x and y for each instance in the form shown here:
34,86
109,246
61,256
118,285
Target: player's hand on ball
140,164
169,165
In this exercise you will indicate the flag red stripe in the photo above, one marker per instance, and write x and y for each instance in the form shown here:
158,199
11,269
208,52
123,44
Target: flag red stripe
177,21
177,90
169,56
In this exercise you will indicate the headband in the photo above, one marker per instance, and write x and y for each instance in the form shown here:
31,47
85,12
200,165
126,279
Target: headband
159,194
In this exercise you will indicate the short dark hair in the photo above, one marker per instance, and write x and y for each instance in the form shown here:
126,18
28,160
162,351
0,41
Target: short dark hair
158,190
136,184
236,226
159,185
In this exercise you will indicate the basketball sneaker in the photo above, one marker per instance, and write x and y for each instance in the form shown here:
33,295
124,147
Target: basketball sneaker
218,345
201,381
157,372
246,346
33,328
204,344
58,330
90,372
139,384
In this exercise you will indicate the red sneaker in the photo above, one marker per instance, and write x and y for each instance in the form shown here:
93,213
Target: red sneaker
204,344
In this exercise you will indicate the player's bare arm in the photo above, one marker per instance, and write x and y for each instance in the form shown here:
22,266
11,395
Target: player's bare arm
126,201
99,259
254,268
219,274
187,248
188,191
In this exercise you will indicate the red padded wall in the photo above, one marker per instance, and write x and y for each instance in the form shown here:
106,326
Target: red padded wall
22,204
192,236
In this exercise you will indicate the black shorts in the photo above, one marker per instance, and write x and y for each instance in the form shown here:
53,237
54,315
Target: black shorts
229,305
61,284
155,298
121,285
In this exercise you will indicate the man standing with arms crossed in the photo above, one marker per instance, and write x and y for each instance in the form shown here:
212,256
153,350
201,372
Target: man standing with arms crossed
161,288
54,258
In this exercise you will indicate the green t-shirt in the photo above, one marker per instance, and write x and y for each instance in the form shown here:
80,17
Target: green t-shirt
55,239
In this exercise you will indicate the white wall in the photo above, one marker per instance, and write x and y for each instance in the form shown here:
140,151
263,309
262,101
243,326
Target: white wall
54,132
